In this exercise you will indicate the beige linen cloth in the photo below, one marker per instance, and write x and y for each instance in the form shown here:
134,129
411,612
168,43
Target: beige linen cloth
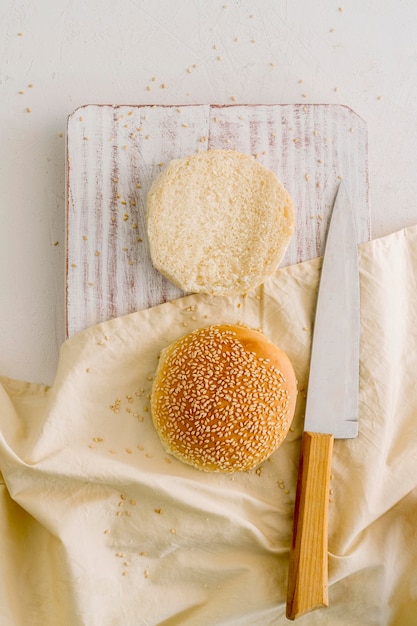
100,527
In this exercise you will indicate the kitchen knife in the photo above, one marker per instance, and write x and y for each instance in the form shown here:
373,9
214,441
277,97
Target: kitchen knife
331,410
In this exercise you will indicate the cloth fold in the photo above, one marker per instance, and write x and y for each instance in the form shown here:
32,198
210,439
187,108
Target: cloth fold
100,527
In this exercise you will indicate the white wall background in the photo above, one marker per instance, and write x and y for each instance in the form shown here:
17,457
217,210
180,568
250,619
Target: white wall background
58,54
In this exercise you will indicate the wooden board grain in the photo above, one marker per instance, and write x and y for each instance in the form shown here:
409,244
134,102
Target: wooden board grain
114,153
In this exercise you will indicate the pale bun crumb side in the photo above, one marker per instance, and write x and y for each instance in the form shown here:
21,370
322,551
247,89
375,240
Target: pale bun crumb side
218,222
223,398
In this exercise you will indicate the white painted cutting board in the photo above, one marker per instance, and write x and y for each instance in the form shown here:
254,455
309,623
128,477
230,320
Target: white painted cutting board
114,153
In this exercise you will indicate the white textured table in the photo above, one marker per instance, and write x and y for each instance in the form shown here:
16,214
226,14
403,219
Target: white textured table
58,55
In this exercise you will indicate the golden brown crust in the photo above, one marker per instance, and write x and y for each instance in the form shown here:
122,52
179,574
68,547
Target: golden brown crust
223,398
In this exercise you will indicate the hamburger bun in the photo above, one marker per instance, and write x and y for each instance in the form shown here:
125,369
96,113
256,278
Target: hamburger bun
223,398
218,222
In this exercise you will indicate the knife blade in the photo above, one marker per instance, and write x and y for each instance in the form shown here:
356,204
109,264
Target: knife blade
331,408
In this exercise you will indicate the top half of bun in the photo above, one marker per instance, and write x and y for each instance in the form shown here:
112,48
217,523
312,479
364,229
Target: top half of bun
223,398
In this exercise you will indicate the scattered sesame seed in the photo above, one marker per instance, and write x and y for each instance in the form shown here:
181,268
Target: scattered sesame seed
28,110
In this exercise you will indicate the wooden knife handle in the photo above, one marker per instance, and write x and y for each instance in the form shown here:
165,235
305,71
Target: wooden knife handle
308,568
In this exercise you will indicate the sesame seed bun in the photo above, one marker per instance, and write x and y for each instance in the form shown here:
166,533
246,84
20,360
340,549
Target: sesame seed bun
218,222
223,398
